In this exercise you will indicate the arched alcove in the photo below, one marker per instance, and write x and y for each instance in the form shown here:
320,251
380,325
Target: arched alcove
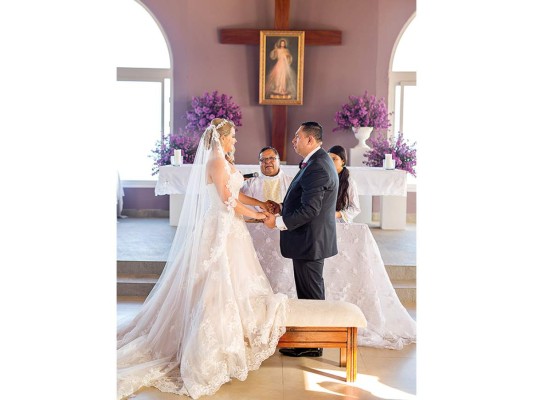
402,85
402,81
144,90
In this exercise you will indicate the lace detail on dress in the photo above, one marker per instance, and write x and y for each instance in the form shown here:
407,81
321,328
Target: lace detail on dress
231,203
226,326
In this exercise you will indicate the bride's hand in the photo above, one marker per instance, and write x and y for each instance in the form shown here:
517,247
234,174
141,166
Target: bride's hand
270,220
263,205
262,215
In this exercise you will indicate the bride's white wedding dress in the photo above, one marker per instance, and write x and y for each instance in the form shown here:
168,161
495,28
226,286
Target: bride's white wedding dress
212,316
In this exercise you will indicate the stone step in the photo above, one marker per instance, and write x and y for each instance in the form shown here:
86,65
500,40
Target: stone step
140,267
137,278
395,272
406,290
401,272
135,284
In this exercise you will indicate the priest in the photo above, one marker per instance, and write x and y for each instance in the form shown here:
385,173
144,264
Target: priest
272,183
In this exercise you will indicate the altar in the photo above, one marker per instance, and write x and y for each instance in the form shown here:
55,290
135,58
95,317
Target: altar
391,185
356,274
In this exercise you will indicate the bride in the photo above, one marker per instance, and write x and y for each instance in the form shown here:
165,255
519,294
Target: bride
212,315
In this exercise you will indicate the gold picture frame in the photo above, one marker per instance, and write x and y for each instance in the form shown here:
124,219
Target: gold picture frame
281,67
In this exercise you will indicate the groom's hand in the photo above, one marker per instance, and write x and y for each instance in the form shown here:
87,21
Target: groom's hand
273,207
270,221
263,206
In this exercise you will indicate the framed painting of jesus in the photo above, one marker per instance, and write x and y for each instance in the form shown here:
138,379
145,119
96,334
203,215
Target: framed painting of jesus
281,67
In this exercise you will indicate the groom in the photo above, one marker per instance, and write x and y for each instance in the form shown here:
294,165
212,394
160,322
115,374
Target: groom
307,219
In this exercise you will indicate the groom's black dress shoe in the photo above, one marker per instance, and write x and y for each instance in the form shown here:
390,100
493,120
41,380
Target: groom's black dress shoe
303,352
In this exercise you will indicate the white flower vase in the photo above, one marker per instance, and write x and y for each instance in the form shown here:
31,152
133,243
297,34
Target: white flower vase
362,134
356,160
356,153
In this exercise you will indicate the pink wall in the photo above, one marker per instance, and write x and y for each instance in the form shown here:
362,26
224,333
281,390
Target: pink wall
411,202
331,73
144,199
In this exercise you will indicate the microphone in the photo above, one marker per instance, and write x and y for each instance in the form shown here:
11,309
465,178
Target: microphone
252,175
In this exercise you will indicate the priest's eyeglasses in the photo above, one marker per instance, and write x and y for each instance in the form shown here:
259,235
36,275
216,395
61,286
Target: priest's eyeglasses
268,159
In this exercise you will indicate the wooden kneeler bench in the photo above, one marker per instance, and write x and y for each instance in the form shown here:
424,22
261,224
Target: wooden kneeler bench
325,323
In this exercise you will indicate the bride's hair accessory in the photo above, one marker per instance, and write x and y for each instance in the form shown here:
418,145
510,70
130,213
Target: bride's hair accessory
224,121
212,132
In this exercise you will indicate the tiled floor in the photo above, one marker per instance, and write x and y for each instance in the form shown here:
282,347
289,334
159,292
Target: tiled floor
382,374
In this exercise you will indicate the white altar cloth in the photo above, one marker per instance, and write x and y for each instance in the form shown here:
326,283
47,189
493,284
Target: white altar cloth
370,180
356,274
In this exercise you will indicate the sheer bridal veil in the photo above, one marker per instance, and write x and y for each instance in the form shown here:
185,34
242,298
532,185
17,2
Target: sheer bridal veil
154,337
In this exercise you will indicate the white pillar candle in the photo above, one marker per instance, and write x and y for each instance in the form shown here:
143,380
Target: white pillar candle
388,162
172,160
177,153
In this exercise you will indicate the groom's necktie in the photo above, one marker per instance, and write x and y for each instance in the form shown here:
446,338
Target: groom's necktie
302,164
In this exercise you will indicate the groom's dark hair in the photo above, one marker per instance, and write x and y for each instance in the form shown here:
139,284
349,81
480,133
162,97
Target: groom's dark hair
314,129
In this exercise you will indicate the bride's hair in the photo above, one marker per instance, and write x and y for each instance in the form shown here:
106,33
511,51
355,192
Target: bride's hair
221,126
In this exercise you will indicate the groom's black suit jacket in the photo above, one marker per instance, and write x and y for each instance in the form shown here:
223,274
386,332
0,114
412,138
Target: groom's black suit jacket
309,211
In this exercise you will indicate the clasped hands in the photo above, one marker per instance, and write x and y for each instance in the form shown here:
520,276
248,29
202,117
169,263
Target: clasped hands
270,208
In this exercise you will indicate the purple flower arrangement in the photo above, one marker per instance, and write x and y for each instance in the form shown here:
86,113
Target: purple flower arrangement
362,111
184,140
209,106
403,154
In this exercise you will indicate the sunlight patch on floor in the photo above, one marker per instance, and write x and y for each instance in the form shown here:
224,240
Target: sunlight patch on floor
327,381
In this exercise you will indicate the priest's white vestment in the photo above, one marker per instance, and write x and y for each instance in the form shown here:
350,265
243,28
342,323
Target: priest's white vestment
265,187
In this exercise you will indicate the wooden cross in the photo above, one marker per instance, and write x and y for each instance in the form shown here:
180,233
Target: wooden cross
251,36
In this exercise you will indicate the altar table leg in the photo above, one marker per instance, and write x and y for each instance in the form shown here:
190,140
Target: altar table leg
393,212
176,203
365,216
